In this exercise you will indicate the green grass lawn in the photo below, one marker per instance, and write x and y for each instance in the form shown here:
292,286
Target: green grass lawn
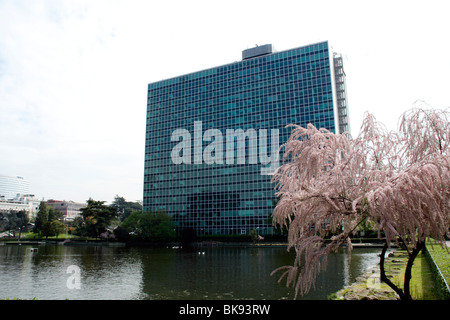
442,258
32,235
422,284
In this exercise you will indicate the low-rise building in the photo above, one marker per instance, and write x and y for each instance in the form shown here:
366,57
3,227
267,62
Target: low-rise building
25,202
70,209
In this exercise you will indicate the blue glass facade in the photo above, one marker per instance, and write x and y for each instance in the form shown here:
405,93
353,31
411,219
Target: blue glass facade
197,171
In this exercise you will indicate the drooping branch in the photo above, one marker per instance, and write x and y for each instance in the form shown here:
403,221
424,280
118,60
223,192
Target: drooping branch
399,182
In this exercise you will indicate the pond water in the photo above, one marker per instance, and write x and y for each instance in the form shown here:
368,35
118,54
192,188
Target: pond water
56,272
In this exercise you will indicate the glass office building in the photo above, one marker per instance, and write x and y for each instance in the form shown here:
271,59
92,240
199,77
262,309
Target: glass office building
212,136
11,186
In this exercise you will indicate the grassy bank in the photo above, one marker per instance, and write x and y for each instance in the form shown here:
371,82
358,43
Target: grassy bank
439,260
31,236
369,287
422,281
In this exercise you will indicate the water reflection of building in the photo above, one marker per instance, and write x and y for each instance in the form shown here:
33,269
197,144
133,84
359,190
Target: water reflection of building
69,209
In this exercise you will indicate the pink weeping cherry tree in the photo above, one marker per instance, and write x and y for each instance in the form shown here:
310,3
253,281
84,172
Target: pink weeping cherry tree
396,182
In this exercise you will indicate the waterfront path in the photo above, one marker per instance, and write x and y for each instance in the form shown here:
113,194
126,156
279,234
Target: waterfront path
369,287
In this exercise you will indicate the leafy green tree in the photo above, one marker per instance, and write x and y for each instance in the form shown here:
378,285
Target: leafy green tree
77,225
125,208
54,214
150,226
46,230
97,217
254,235
48,221
57,227
13,220
121,234
41,218
4,221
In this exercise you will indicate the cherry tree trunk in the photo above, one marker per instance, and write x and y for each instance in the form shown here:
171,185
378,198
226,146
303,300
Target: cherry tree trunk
404,294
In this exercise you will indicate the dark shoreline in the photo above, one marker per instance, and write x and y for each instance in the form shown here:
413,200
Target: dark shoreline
173,245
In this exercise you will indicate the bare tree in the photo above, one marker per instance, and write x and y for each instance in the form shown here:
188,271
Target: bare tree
397,182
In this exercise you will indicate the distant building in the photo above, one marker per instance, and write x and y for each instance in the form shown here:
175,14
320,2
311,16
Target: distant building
26,202
10,186
70,209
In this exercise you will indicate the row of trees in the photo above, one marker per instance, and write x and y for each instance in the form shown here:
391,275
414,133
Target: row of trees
13,220
121,220
48,221
124,220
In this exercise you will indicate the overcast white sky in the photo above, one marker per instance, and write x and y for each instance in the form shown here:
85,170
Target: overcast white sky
74,74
